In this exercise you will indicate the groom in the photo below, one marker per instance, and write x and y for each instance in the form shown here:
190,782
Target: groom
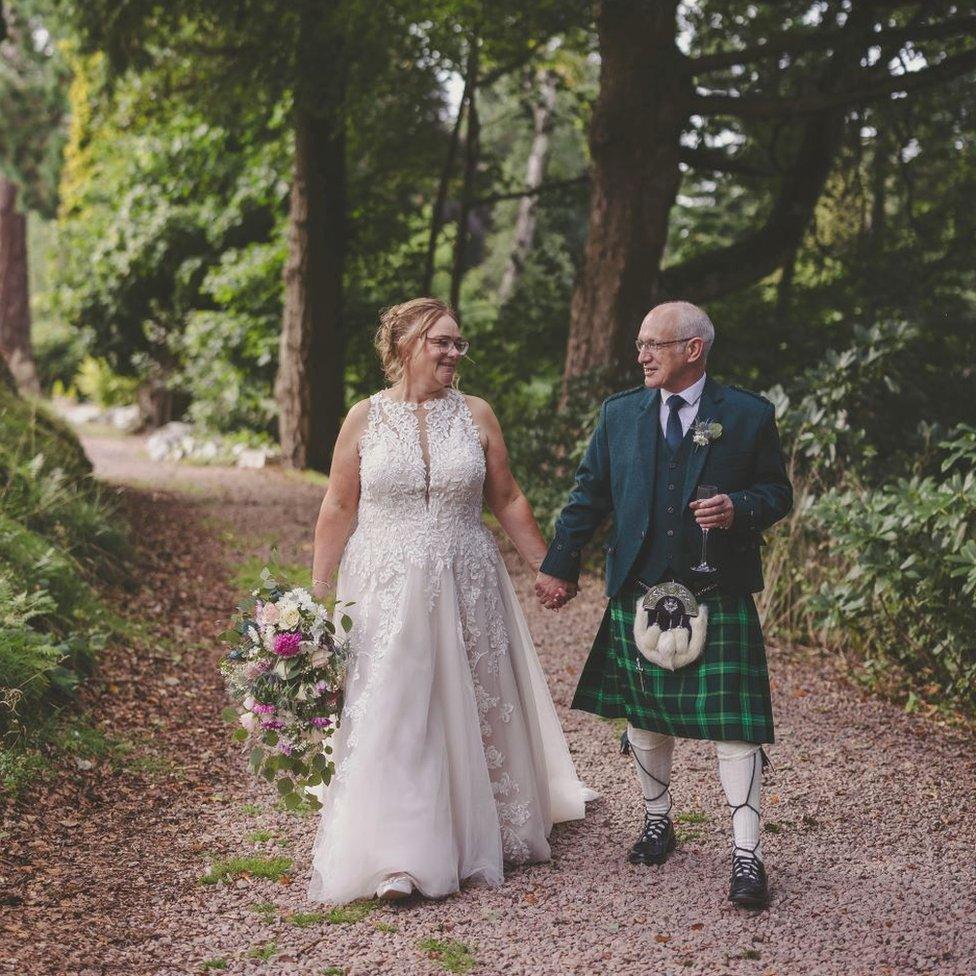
652,448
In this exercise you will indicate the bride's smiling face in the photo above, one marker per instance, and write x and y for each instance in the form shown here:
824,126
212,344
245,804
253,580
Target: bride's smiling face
435,356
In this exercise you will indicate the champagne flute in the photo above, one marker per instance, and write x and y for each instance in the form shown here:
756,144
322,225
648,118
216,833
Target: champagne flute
703,492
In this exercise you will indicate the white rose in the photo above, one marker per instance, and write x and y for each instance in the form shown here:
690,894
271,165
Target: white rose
320,657
249,702
289,617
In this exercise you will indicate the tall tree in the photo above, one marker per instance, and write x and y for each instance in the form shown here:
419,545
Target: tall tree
771,75
541,90
32,110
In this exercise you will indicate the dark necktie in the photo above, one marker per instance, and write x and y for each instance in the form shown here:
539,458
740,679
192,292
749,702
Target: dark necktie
673,433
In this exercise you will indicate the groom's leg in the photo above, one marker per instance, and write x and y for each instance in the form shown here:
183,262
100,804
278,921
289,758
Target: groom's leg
740,770
652,758
652,753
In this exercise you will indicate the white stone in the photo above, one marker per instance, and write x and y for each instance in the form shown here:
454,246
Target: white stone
169,441
128,418
253,457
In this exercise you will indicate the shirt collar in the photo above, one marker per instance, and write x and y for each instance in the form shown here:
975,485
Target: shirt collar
691,394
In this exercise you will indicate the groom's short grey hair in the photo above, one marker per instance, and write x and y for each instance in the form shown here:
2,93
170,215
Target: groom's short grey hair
692,322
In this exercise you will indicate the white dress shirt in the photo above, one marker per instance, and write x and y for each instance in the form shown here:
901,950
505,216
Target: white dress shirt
691,395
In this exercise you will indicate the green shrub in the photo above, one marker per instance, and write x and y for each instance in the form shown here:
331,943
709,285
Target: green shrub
97,381
902,578
58,535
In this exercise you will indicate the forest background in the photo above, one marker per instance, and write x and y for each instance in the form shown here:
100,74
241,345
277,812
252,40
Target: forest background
205,203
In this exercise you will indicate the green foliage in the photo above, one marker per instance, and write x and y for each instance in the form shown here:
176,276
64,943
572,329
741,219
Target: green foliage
32,105
19,768
304,920
903,581
352,913
57,536
97,381
449,954
254,866
263,952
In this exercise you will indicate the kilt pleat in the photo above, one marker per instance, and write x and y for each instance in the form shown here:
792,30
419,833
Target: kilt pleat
723,696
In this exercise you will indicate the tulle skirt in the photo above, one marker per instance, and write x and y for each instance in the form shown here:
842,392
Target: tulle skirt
450,757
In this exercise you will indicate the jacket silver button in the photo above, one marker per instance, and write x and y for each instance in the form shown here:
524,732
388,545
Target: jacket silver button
670,531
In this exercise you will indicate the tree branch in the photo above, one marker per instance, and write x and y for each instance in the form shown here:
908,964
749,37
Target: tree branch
719,162
748,107
724,270
802,42
506,69
551,186
709,159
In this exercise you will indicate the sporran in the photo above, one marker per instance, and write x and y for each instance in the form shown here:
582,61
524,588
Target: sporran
670,625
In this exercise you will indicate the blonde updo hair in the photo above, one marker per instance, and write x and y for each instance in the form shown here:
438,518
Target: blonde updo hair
400,326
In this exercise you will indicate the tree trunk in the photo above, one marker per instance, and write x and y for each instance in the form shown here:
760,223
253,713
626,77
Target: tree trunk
543,105
471,149
437,213
15,341
635,147
309,386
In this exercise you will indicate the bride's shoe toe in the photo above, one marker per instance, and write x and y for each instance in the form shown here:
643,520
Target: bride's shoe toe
395,888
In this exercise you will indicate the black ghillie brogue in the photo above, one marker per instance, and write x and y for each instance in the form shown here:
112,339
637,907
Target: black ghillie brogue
655,843
748,887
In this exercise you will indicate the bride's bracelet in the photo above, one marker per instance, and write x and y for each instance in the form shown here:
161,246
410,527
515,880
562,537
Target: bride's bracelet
316,582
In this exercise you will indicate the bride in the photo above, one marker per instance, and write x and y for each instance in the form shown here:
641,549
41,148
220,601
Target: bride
449,757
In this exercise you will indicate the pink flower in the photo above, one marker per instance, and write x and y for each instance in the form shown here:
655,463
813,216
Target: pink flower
249,721
320,722
264,709
287,645
272,723
269,615
255,669
284,747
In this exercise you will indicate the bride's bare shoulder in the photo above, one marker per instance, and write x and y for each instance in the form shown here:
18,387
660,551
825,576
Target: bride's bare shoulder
480,409
356,419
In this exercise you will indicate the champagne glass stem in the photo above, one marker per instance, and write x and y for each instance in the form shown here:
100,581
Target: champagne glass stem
704,546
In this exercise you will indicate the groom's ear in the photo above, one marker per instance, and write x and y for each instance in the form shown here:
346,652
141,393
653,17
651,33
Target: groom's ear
696,349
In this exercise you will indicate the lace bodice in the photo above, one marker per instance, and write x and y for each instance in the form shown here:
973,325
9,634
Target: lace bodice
422,472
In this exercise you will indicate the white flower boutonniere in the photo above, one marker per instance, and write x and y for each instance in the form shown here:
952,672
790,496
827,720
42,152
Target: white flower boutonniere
703,432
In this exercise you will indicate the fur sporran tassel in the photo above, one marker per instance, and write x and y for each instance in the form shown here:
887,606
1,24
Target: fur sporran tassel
674,647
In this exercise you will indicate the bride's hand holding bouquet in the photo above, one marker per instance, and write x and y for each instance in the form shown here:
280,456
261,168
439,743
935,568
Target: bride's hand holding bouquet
285,672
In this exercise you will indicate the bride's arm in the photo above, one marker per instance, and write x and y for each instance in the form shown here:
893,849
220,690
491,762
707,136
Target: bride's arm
502,493
338,511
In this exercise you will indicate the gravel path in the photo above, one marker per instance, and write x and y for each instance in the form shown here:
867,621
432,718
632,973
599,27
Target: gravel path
870,815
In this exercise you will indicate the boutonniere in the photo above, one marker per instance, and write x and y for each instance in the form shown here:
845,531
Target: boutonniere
703,432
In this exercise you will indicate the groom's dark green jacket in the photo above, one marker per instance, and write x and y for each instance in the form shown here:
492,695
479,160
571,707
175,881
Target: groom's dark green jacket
617,478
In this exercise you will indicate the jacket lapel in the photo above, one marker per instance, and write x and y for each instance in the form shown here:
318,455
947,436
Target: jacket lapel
648,435
709,408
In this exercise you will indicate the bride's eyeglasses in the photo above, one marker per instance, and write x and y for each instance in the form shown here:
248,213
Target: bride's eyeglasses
444,343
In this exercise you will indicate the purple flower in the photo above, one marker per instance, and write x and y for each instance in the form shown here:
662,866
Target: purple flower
284,747
264,709
272,723
320,722
287,645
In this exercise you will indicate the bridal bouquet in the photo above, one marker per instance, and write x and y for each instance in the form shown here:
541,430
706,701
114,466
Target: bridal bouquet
285,671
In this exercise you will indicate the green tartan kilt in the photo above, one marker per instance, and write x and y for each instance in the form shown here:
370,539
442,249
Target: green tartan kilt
723,696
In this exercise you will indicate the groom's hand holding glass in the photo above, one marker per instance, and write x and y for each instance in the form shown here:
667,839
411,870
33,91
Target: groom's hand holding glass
554,593
716,512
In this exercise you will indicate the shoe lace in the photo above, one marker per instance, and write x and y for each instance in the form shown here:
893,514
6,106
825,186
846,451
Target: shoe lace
655,826
746,866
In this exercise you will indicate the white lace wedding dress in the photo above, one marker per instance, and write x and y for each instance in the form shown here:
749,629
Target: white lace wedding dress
450,757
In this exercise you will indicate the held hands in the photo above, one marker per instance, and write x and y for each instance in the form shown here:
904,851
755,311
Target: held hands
554,593
714,513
